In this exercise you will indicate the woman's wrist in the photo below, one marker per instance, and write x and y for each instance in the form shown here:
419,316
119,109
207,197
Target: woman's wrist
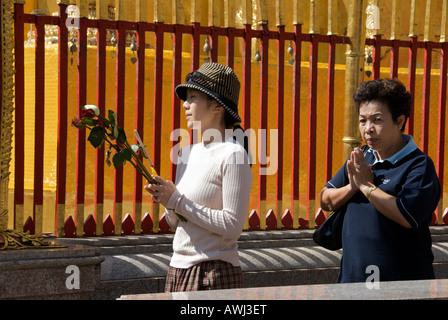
367,189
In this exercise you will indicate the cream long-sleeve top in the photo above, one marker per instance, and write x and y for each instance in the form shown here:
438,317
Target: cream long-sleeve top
213,184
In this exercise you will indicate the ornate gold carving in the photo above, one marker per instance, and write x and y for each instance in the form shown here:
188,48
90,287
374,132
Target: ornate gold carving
11,239
7,105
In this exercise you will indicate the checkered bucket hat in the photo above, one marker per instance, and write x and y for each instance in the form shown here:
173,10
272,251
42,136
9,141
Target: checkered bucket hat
217,81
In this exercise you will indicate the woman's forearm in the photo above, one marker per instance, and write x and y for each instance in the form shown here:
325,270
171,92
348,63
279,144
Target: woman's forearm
386,204
332,199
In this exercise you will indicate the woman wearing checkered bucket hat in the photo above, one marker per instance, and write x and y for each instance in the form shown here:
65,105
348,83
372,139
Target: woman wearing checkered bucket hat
213,184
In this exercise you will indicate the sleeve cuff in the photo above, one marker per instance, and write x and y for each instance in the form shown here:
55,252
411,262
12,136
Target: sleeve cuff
172,201
407,215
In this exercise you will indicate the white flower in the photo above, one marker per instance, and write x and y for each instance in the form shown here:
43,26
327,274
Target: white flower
93,107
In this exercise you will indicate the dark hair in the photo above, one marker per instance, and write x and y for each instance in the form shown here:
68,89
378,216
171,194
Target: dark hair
389,91
240,137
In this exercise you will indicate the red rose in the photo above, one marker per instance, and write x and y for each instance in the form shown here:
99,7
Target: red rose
78,123
87,113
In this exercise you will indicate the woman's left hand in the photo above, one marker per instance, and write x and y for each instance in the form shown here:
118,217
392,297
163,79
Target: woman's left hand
358,171
160,192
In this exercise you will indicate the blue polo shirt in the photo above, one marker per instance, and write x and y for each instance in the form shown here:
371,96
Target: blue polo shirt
369,238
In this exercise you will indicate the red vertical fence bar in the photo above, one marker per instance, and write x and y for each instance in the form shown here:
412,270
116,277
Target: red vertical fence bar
62,123
175,107
230,46
411,81
81,134
441,124
247,78
213,44
312,119
101,104
330,109
195,46
263,112
394,53
280,120
246,82
296,123
157,113
39,122
19,121
376,57
195,56
119,109
139,122
426,96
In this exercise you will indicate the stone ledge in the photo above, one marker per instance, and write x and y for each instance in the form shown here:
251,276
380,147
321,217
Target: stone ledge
393,290
143,265
41,273
139,263
158,243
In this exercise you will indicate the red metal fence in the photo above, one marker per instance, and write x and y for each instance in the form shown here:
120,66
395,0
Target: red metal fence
76,224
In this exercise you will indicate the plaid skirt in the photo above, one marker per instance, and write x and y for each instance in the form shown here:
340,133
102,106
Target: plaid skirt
207,275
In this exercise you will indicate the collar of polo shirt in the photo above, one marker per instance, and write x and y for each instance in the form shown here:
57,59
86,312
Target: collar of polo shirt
407,149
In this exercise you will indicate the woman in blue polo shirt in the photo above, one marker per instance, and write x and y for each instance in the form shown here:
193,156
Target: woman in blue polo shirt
389,189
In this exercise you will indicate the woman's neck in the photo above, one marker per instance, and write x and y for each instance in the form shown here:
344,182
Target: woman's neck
393,149
213,134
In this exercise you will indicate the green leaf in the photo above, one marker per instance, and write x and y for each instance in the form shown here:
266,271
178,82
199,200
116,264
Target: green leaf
112,117
96,136
118,159
127,154
106,122
90,122
121,136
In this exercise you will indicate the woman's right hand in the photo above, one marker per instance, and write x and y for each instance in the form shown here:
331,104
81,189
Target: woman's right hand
359,173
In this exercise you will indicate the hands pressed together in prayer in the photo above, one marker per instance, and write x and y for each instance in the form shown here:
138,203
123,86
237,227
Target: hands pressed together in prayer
360,174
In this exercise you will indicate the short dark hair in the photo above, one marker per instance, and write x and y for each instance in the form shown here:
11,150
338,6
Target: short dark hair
389,91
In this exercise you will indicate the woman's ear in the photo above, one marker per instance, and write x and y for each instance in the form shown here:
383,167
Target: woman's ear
400,121
217,107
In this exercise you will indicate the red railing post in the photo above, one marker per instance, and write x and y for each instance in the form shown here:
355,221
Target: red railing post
394,52
176,105
411,81
330,109
376,57
119,109
263,114
39,126
19,121
312,122
441,124
195,56
195,46
139,122
280,121
81,134
61,175
101,104
426,97
295,154
157,113
213,44
246,81
230,46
